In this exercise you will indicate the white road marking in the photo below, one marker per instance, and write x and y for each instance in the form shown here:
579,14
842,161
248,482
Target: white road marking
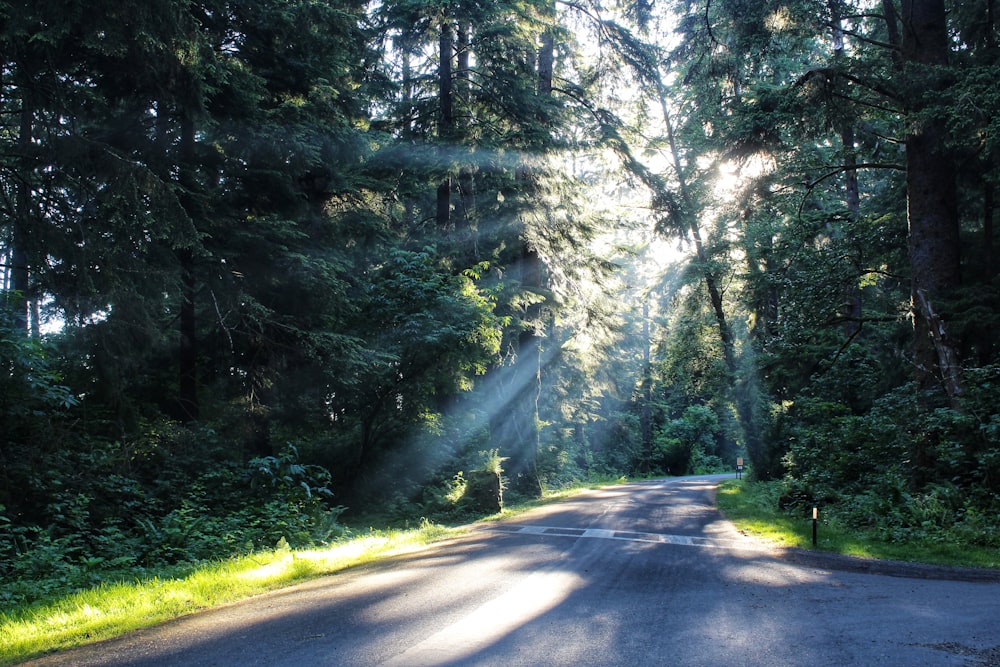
632,536
536,594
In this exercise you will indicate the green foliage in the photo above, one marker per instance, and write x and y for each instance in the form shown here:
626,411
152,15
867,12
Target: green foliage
149,519
608,446
492,462
483,491
891,531
269,188
462,496
285,474
455,488
684,445
810,104
864,468
114,608
940,513
617,446
29,384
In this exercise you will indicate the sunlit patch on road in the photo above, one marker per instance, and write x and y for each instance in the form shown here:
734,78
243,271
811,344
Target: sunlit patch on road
535,595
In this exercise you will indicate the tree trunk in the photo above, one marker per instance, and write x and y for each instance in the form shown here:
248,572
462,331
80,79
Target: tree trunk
446,130
19,275
989,262
259,400
188,353
646,410
445,82
991,22
467,235
692,229
523,417
546,64
407,91
533,271
407,129
984,335
463,77
932,210
188,357
743,388
852,193
852,198
892,27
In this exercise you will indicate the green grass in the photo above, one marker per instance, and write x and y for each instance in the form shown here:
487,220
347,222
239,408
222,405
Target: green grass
113,609
753,508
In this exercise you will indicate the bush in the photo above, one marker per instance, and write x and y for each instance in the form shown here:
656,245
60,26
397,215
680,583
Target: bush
680,446
101,524
901,470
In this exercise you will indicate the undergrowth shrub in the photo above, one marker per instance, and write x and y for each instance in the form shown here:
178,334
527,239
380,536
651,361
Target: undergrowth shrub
134,524
864,467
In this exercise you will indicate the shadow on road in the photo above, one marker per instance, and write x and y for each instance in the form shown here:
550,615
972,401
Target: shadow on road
640,574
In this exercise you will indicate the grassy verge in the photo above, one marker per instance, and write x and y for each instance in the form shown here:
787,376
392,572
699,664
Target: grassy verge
753,508
115,608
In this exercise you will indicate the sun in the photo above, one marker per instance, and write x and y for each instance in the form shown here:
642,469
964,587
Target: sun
728,180
732,176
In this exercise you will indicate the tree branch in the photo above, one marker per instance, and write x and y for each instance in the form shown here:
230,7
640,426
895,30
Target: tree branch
854,167
867,40
811,185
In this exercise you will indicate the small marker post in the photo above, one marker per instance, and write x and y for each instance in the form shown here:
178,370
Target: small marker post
815,521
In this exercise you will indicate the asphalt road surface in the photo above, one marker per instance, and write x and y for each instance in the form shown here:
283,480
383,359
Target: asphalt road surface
648,573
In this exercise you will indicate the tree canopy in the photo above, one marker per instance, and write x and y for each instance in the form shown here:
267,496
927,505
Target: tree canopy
268,261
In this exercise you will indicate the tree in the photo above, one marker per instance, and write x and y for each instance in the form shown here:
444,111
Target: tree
823,96
935,249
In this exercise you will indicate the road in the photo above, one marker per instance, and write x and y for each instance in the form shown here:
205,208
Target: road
647,573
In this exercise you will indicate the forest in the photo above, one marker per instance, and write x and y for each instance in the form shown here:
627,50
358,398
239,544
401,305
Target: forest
270,264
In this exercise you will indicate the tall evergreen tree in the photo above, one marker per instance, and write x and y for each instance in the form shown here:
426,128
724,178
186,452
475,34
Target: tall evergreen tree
932,209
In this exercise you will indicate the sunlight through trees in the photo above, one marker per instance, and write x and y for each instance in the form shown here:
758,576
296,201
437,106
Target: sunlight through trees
267,264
